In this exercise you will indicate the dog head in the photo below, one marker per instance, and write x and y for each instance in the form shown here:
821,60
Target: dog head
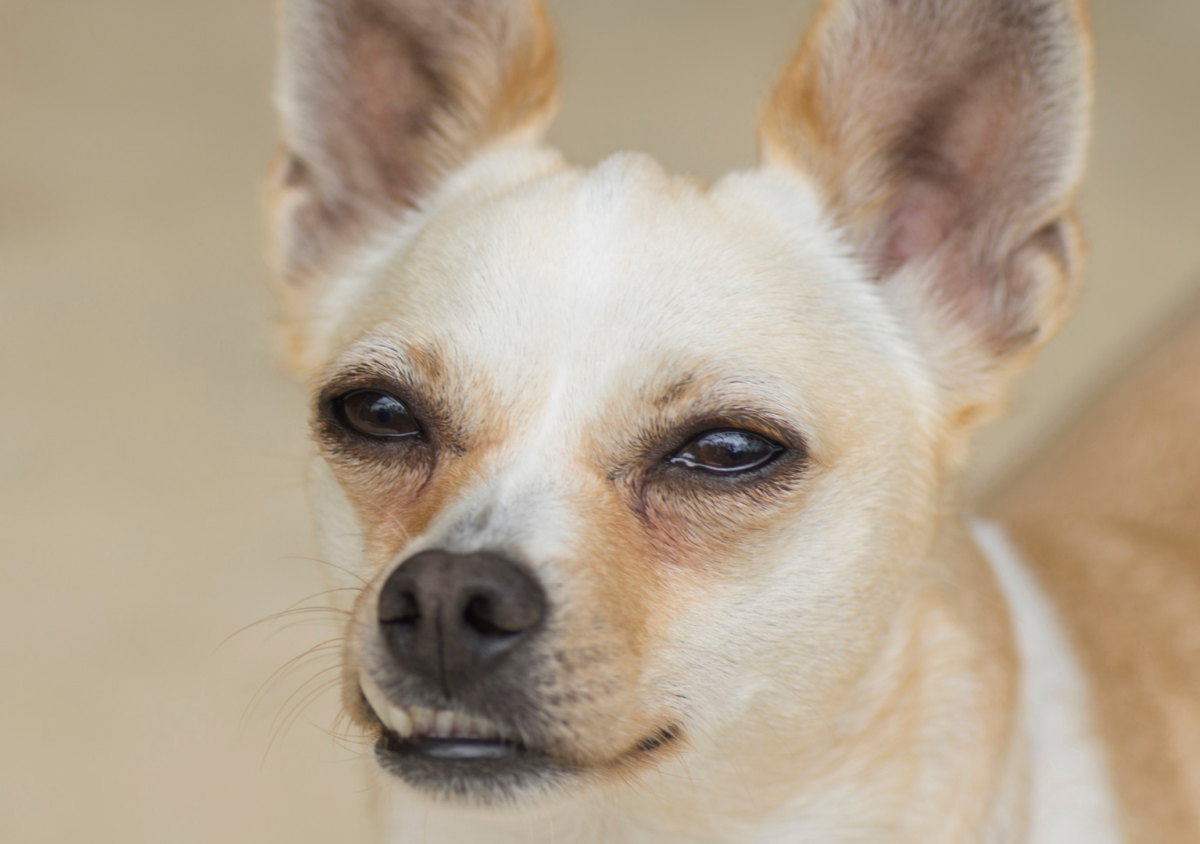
629,467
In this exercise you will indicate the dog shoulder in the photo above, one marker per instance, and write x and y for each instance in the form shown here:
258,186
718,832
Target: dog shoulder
1108,521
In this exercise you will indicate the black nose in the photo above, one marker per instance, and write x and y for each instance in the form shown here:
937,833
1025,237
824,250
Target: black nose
452,618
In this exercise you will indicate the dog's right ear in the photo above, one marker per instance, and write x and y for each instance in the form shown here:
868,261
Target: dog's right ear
380,99
947,139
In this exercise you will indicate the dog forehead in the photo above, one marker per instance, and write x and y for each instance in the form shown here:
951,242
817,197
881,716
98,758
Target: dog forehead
623,267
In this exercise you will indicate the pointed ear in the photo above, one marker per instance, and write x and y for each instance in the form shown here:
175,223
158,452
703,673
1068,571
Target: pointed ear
381,98
947,138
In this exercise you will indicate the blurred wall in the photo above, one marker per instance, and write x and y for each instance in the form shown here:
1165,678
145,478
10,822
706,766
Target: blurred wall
151,452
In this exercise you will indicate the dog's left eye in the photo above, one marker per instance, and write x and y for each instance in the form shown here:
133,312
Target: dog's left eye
726,452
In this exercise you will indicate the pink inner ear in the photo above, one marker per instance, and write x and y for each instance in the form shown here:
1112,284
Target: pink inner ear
389,95
921,218
954,165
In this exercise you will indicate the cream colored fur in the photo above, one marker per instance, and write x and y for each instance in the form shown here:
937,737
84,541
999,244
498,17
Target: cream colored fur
828,646
1070,794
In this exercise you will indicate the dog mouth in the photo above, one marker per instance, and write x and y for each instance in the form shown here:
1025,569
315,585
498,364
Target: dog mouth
417,723
446,735
456,754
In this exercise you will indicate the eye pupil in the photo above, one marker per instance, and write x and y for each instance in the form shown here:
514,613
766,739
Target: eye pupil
726,452
377,414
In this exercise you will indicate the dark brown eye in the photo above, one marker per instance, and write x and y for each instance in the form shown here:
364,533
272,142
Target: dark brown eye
376,414
726,452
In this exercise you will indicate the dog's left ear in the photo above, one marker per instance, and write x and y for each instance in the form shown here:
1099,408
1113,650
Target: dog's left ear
380,99
947,138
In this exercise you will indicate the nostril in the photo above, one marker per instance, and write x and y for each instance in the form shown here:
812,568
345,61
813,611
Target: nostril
399,607
503,612
480,615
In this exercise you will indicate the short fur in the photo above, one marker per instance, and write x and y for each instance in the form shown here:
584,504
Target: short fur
819,652
1109,516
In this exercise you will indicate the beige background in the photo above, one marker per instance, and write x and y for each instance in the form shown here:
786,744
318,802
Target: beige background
151,452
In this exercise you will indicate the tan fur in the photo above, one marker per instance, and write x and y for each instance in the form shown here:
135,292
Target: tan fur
1109,515
880,168
817,651
397,500
497,60
616,576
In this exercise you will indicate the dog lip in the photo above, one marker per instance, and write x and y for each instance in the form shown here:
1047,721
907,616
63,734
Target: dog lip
446,750
481,772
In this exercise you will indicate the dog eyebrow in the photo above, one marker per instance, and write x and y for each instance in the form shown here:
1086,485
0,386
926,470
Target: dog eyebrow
411,366
668,396
721,393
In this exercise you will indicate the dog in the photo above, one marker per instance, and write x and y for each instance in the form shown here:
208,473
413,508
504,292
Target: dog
646,491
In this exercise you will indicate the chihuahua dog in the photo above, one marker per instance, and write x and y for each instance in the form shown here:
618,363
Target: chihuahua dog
647,489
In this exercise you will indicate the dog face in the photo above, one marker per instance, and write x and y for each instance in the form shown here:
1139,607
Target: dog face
667,409
631,468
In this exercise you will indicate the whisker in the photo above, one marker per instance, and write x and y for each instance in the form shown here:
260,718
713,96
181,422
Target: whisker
325,592
332,565
280,730
292,610
301,690
304,622
356,746
316,652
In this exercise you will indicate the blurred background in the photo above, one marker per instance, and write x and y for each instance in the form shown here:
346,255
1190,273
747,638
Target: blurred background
152,451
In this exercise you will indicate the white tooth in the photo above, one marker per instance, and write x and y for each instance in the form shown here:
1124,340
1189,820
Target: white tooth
481,728
423,720
378,702
469,727
445,724
393,717
401,724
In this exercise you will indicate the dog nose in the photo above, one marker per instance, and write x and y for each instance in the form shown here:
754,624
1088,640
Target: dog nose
452,618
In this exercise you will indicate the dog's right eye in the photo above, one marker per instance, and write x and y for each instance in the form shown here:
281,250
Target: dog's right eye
726,452
376,414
